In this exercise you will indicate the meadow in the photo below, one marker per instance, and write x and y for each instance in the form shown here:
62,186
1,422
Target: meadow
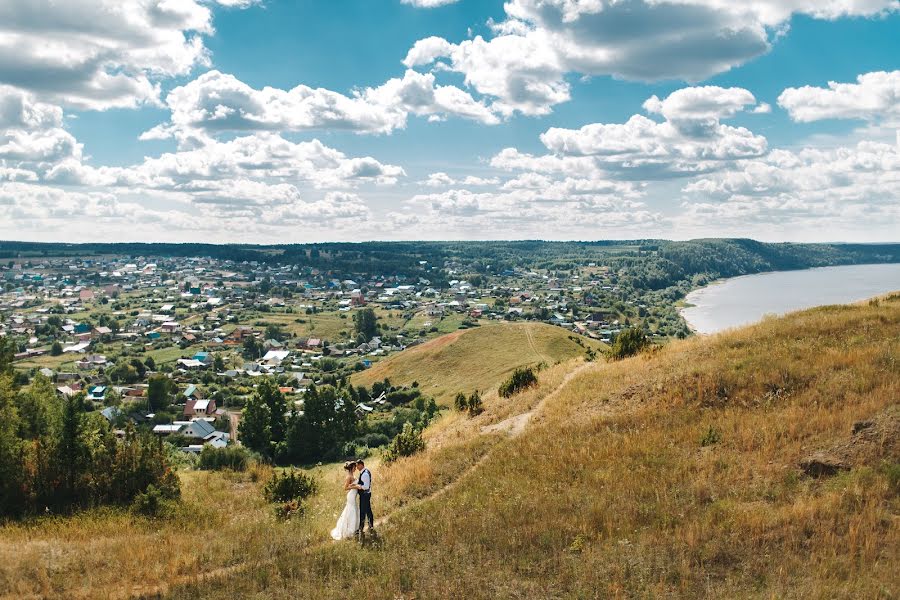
673,474
476,359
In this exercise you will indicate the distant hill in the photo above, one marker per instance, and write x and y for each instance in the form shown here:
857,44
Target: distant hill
760,463
479,358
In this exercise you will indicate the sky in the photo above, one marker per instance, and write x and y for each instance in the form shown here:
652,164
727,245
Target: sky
296,121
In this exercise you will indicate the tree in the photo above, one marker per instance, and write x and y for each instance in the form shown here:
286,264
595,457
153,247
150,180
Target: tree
218,363
365,323
408,442
255,430
628,343
150,363
475,405
158,392
460,403
56,349
268,393
11,467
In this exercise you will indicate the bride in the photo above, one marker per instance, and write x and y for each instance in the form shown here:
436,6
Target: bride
348,522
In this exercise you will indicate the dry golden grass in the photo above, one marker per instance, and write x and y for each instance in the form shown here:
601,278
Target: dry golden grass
610,493
479,358
607,493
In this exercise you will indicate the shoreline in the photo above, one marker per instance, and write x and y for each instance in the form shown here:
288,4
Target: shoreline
688,304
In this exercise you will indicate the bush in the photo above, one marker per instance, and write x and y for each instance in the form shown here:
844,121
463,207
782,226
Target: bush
521,379
289,486
408,442
153,502
628,343
711,437
235,458
373,440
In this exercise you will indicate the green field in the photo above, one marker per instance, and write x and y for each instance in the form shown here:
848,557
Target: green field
478,358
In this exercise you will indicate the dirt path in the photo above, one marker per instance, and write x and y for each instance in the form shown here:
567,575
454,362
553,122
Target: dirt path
513,427
530,335
235,419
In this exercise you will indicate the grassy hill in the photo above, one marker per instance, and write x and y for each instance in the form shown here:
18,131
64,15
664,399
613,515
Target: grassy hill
479,358
761,463
671,475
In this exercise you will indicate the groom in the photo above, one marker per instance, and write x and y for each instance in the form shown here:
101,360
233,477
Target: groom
364,485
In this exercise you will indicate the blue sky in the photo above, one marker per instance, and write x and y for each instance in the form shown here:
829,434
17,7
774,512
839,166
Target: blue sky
307,120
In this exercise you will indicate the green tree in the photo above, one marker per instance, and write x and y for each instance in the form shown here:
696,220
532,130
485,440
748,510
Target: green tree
460,402
56,349
365,323
150,363
11,467
218,363
408,442
475,405
628,343
159,391
255,430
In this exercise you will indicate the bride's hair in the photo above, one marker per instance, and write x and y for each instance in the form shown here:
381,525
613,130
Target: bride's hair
349,465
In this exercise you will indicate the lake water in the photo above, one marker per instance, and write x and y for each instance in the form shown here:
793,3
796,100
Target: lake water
744,300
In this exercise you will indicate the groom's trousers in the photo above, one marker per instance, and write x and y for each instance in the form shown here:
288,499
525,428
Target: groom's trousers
365,510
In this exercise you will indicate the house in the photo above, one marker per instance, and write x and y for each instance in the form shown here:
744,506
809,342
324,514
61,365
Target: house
77,348
97,393
205,357
111,413
192,392
199,408
190,364
101,331
274,358
170,327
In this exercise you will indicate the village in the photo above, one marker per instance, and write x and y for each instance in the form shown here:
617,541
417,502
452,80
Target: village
105,326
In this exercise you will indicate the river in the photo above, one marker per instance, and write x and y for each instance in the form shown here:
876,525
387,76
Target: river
744,300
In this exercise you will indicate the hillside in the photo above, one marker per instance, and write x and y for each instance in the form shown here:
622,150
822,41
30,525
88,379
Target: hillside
672,475
478,358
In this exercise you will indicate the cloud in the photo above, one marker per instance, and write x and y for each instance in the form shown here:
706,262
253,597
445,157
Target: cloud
102,54
441,179
216,102
691,140
874,97
841,192
523,67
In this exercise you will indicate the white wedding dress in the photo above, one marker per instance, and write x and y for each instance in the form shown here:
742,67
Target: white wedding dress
348,522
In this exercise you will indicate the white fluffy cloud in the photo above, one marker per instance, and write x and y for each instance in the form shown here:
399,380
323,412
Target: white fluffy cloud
691,140
524,65
874,97
840,193
217,102
99,54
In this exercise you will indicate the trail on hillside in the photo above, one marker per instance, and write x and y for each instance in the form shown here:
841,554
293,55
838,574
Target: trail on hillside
512,426
530,335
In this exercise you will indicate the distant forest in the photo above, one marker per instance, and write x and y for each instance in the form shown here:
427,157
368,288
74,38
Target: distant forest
650,264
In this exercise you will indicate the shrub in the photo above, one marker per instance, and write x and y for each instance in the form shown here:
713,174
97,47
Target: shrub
408,442
460,403
711,437
628,343
289,486
475,405
235,458
153,502
521,379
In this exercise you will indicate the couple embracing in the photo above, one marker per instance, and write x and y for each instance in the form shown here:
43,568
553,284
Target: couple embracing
353,519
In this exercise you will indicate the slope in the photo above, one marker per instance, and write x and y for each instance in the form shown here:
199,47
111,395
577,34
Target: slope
673,474
478,358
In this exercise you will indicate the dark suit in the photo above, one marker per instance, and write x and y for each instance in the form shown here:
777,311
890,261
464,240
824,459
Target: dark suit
365,502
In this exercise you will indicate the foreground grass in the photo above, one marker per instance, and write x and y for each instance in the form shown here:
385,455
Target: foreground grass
222,521
478,358
612,493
